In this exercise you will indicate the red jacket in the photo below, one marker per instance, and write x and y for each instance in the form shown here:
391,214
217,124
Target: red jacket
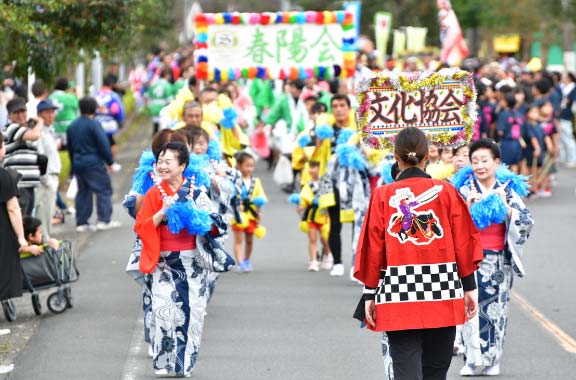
417,242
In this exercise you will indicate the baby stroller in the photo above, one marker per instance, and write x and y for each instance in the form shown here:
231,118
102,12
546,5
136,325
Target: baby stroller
55,268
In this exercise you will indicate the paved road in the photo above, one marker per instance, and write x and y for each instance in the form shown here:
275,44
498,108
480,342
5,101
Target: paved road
283,323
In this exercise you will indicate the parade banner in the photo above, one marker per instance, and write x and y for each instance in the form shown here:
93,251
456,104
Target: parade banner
415,39
442,105
382,27
399,46
283,45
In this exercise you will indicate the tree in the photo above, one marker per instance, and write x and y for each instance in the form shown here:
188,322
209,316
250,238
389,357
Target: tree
47,35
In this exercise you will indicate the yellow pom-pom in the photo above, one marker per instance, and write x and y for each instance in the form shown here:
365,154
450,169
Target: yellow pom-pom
212,113
260,232
304,227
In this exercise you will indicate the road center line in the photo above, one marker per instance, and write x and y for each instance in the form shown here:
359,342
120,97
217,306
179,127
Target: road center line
565,340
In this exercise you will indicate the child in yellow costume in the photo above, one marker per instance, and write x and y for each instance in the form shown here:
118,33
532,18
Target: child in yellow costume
252,198
221,113
313,144
313,202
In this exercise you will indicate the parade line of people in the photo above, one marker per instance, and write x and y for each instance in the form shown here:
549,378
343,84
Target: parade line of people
437,279
196,186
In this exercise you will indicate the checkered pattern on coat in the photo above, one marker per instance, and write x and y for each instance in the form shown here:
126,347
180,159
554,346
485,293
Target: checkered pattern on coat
420,283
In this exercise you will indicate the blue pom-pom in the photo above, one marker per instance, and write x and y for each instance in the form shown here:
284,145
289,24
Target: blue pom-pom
230,118
344,136
143,181
198,167
462,177
350,156
198,222
176,215
490,210
387,173
259,201
214,150
324,132
147,158
184,215
517,183
304,140
294,198
358,161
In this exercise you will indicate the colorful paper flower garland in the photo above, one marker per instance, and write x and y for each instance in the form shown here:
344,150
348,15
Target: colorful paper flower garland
204,71
413,82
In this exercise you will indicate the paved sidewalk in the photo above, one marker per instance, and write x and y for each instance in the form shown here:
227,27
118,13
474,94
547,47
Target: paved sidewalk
132,140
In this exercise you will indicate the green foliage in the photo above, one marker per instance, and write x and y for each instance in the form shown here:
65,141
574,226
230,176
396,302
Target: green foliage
48,34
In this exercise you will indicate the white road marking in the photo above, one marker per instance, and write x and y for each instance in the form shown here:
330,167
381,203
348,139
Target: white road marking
137,353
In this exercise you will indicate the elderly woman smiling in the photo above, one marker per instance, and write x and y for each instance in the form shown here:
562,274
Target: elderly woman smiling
173,213
494,195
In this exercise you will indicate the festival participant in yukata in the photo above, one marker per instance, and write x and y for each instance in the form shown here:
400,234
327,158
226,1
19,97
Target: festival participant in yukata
314,199
343,212
176,225
416,256
133,202
493,194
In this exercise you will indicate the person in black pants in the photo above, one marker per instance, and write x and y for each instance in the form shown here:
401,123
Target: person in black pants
417,256
335,238
422,353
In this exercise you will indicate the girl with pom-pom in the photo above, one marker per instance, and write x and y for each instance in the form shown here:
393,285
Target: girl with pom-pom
313,202
176,225
313,144
252,198
493,194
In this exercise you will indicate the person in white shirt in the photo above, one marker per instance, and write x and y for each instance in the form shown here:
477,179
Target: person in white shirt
45,193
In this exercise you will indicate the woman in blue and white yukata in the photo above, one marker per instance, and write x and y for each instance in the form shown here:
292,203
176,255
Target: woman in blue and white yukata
494,196
178,255
221,192
143,181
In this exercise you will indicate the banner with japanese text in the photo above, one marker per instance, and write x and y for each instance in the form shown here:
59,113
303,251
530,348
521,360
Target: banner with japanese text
284,45
442,105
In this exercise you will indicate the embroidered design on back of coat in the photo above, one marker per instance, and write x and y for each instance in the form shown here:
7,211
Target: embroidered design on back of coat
410,223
